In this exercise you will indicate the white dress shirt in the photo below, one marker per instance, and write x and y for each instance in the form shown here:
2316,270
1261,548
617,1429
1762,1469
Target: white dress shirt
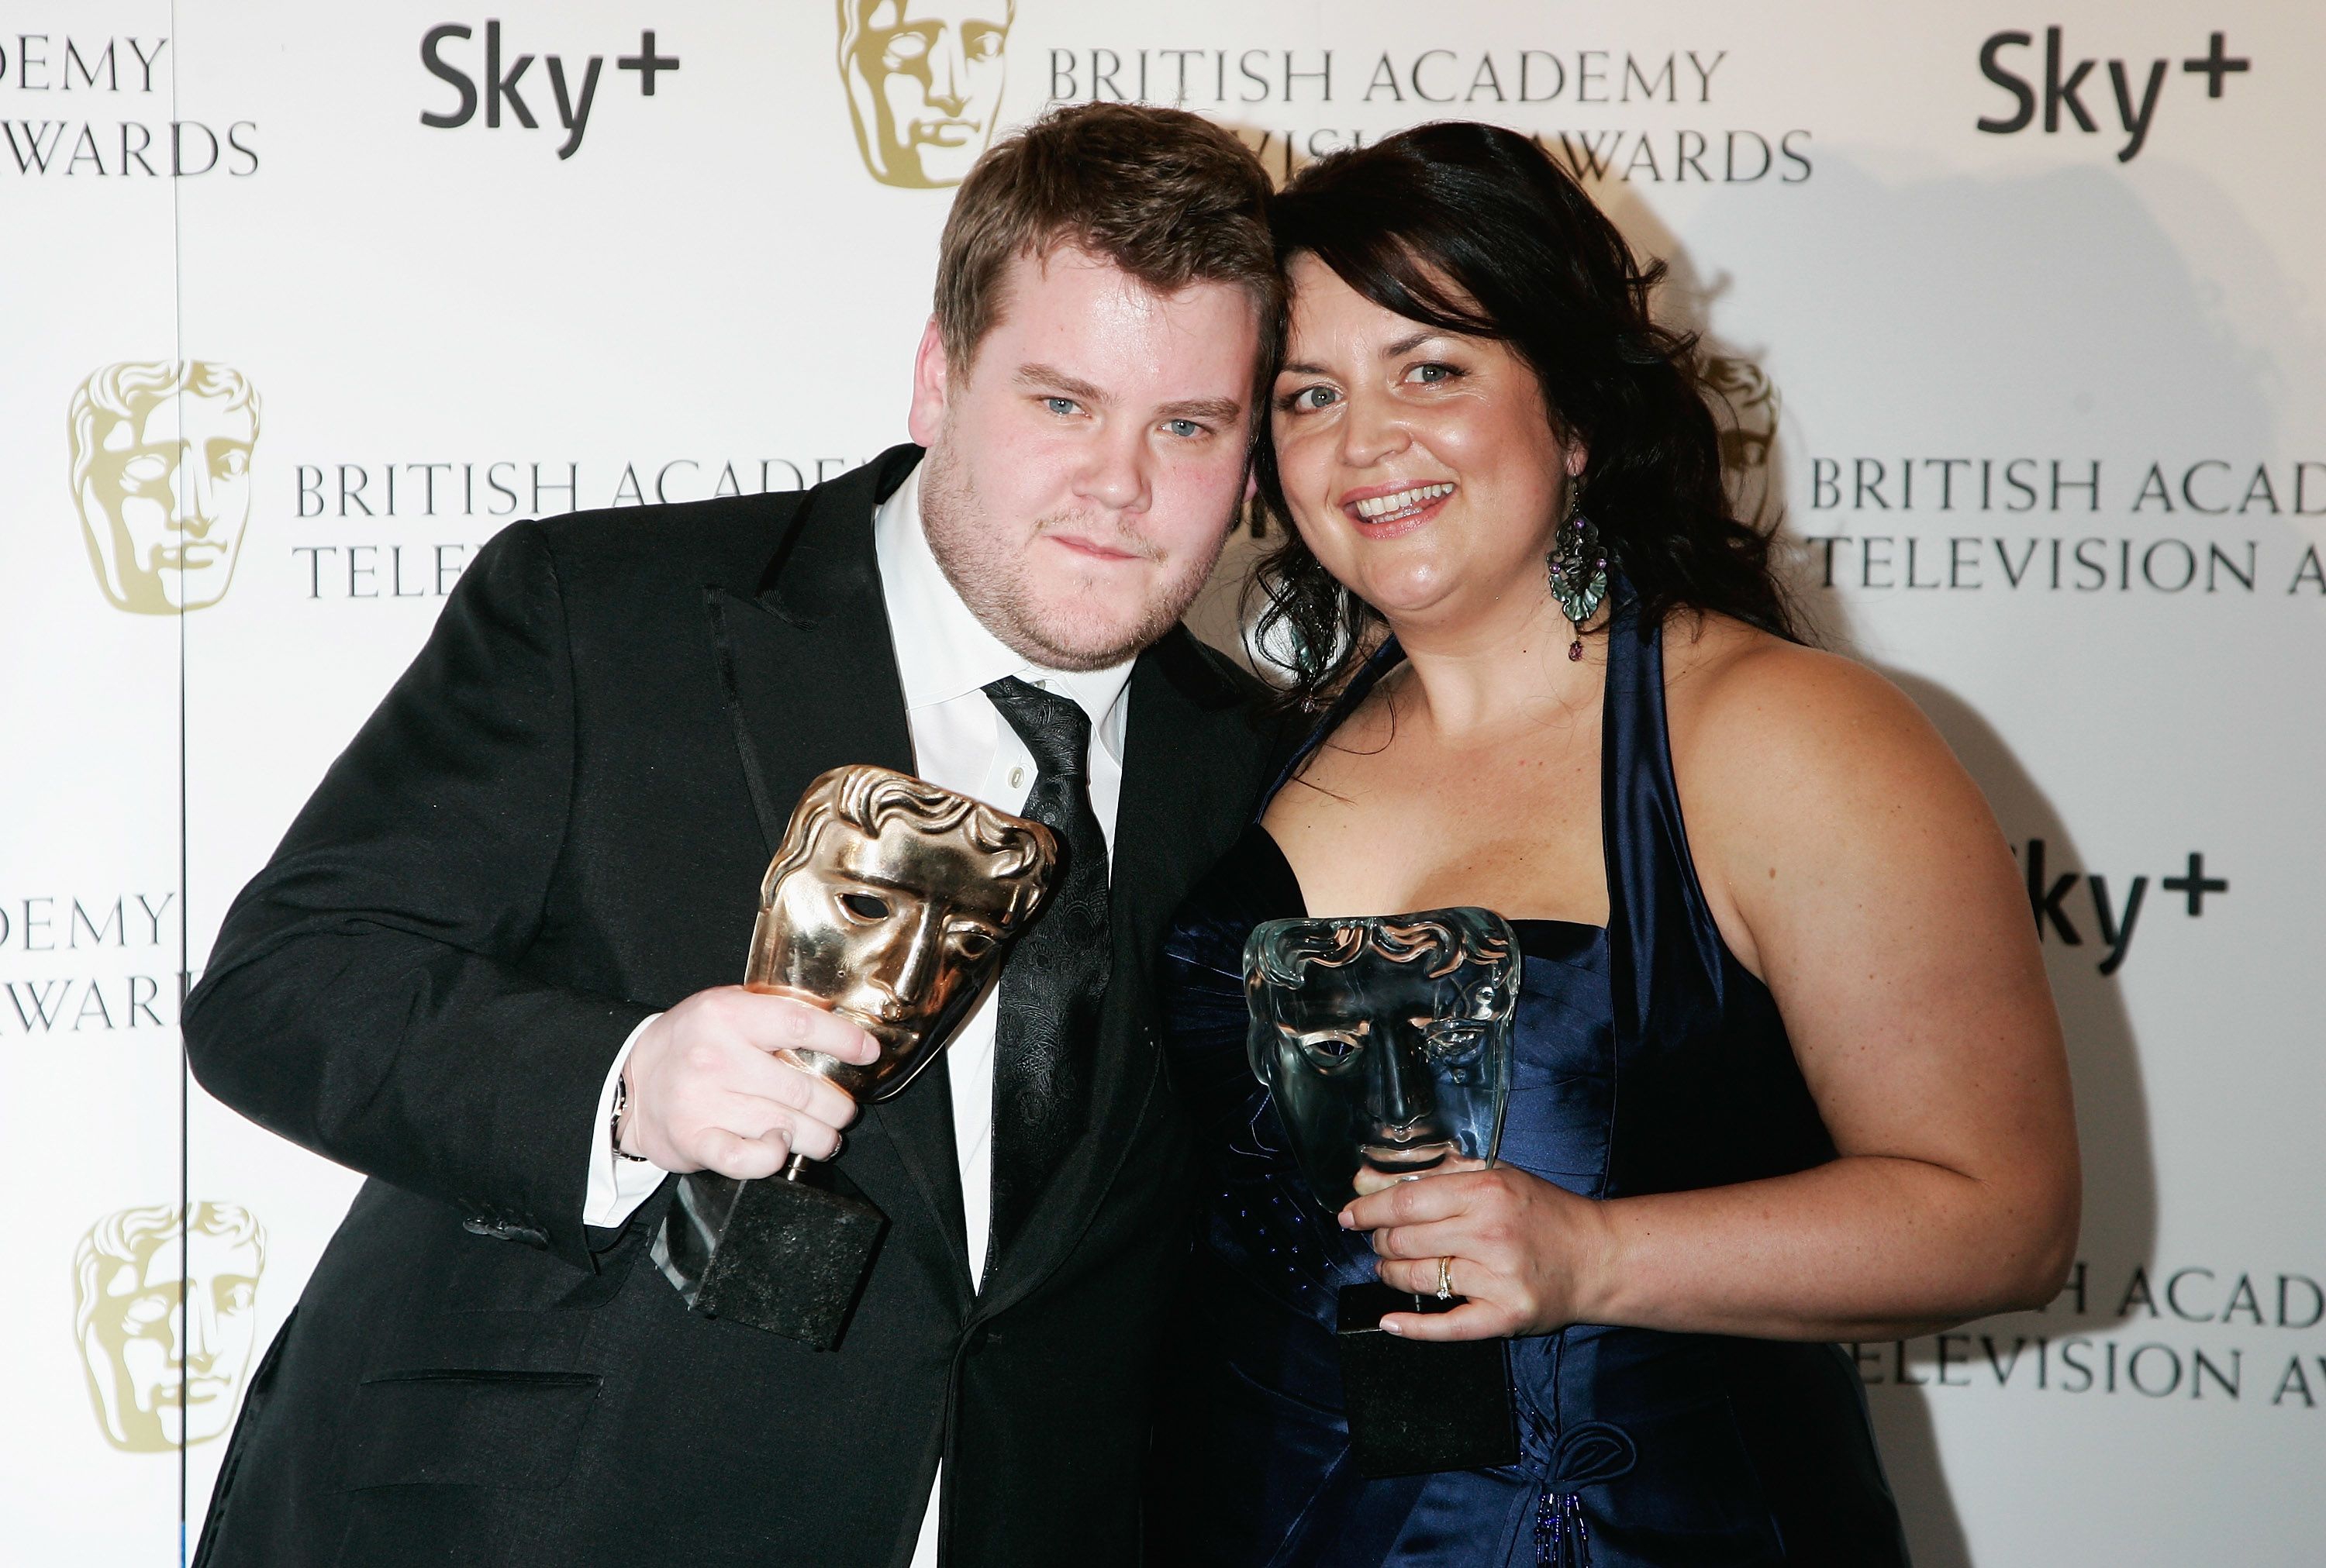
946,657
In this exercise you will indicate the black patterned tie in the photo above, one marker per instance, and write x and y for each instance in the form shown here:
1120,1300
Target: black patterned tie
1047,1030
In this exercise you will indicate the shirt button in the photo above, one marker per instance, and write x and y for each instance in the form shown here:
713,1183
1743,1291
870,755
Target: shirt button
1016,777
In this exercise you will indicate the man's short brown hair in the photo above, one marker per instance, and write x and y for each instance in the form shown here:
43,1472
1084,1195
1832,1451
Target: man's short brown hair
1165,195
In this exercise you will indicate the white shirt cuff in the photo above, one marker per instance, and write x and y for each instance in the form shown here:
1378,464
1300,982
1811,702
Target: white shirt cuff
617,1186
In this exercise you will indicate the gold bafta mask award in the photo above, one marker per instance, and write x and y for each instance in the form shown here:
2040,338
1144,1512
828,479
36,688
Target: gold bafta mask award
890,901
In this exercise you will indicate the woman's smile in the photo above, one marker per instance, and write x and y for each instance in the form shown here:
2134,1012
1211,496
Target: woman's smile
1388,511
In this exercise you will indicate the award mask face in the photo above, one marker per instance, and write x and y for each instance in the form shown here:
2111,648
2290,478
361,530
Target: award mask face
892,902
1384,1040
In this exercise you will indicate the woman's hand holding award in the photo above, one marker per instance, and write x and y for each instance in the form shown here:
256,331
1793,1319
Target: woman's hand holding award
1385,1042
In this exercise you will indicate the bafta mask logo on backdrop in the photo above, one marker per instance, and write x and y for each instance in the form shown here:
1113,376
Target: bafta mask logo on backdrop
1749,408
166,1329
924,79
1753,407
161,471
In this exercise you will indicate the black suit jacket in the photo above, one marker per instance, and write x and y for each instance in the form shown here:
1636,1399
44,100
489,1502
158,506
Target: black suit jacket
552,828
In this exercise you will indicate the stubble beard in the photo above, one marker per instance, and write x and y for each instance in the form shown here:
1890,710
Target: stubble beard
986,566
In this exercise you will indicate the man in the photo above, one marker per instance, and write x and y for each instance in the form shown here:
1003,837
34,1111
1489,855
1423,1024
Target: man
161,471
509,914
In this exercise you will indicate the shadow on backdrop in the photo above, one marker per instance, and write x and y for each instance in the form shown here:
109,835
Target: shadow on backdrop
2112,1124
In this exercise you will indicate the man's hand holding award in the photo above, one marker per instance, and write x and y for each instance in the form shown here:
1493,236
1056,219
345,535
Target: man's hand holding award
888,910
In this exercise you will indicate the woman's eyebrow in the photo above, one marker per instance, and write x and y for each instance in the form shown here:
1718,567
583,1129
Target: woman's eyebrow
1405,345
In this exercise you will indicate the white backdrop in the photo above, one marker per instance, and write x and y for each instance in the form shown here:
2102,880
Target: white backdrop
2049,433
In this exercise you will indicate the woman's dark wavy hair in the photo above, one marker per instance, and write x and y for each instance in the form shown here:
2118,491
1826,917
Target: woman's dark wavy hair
1473,229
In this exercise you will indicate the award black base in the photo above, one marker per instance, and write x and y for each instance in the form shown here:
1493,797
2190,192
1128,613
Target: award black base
783,1254
1416,1407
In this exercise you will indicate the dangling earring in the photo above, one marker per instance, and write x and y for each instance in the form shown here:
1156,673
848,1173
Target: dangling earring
1578,566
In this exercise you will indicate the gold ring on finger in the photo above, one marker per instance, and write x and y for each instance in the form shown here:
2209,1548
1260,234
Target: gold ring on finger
1444,1279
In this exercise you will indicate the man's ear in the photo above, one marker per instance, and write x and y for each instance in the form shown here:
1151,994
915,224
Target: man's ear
1250,485
930,385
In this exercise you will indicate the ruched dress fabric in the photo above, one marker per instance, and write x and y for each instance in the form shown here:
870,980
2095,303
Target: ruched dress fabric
1647,1061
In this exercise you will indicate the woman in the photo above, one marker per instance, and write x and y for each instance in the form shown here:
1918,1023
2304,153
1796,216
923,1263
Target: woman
1788,1069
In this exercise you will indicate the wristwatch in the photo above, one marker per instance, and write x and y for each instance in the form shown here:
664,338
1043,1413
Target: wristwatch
614,1121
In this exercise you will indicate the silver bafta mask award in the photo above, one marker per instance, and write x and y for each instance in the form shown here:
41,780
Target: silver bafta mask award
890,901
1385,1042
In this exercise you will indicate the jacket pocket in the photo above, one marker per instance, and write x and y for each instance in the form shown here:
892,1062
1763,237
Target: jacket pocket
480,1427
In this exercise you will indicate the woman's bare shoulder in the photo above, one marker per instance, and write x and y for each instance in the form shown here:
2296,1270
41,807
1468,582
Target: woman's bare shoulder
1747,707
1817,794
1800,770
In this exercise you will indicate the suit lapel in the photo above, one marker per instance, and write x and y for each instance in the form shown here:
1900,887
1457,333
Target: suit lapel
1184,718
918,1126
808,670
805,662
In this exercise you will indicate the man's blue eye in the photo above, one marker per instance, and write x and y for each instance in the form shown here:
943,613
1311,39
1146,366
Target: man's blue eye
1185,427
1060,405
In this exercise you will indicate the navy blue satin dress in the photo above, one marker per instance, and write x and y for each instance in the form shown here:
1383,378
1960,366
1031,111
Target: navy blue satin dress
1648,1061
